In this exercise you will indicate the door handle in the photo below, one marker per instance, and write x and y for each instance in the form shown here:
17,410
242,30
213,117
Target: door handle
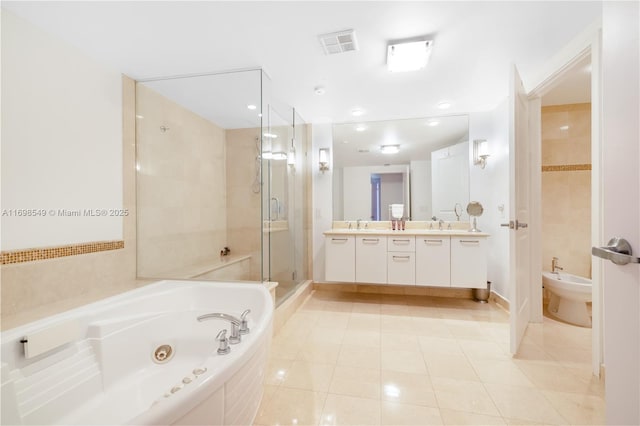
521,225
618,250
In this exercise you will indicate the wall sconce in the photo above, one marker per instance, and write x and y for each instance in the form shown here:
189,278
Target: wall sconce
480,152
291,156
323,159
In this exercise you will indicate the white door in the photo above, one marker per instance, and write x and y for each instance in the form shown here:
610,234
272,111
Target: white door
519,247
621,207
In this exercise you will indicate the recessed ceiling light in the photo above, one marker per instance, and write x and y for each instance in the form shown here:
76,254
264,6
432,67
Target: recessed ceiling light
319,90
360,129
251,106
432,123
408,56
444,105
357,112
390,149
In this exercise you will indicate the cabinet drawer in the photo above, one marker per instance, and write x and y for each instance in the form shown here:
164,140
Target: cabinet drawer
433,261
401,243
401,268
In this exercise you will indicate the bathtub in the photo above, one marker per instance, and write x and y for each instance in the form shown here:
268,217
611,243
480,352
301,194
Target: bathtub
103,363
569,297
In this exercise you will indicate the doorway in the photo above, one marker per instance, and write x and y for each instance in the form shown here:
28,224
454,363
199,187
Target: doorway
565,182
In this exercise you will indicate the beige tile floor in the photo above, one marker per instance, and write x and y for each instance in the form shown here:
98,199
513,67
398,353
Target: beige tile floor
370,359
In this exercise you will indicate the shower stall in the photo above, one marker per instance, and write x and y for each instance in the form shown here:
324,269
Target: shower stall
222,181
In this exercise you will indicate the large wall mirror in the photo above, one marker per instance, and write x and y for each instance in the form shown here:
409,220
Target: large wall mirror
422,163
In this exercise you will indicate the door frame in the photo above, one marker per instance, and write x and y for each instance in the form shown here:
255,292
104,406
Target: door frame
588,43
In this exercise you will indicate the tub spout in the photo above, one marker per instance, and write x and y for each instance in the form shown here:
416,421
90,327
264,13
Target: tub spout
235,324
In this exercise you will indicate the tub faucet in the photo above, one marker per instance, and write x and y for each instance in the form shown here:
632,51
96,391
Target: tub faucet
235,324
555,268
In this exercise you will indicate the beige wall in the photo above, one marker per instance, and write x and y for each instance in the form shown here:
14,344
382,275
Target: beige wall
34,290
243,203
182,214
566,194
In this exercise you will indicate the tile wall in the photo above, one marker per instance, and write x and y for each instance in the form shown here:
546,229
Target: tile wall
244,227
36,289
566,187
181,182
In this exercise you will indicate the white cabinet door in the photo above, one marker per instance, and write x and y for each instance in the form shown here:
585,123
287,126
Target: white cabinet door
371,259
433,261
401,268
340,258
468,262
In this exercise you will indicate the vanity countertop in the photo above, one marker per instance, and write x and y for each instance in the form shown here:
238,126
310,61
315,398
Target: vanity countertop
408,232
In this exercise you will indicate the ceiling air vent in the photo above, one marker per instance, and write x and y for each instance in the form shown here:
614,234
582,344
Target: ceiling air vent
338,42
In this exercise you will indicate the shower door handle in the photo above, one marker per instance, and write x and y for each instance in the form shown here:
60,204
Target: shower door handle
618,250
509,225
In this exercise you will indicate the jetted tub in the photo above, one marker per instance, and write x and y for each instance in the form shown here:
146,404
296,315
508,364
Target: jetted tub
140,357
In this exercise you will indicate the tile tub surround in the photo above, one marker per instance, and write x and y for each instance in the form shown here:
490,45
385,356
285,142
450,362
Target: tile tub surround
351,358
566,187
36,289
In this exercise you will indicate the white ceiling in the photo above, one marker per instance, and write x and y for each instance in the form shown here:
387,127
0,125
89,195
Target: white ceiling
474,45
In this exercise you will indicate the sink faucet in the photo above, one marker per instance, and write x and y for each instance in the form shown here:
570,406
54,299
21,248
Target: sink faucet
555,268
235,324
440,223
358,223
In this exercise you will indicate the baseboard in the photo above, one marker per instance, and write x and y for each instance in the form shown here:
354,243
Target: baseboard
409,290
499,300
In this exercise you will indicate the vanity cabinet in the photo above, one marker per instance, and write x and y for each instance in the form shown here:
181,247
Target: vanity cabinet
433,261
429,259
340,258
401,260
371,259
469,262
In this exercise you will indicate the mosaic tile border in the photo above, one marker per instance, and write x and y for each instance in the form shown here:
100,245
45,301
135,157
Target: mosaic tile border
567,168
30,255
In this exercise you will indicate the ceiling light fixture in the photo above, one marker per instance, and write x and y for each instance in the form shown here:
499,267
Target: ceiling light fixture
444,105
390,149
408,56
